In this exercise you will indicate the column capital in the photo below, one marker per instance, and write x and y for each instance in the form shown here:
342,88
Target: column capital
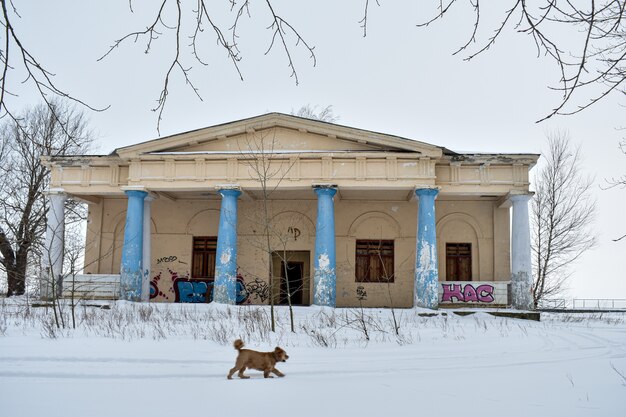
228,186
424,191
231,190
520,197
325,189
55,192
506,201
135,190
136,193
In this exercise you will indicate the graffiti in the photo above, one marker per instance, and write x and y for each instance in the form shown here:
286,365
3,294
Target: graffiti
194,290
361,294
154,288
191,291
200,290
258,289
295,232
167,259
156,280
466,293
242,293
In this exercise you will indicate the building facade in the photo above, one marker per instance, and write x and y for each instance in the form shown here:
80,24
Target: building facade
282,208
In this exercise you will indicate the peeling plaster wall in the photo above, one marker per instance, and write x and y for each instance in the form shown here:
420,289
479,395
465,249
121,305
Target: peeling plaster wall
482,224
381,220
174,223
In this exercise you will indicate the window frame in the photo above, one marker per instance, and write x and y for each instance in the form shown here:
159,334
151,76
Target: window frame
457,252
368,260
206,254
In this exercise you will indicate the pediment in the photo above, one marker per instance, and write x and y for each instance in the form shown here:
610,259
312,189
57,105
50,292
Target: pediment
278,133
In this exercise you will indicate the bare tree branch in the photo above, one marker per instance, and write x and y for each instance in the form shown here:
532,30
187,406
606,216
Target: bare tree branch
16,58
363,21
562,213
281,28
590,69
281,33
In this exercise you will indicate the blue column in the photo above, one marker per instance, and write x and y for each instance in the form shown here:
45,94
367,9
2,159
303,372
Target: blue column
131,271
426,272
324,273
225,285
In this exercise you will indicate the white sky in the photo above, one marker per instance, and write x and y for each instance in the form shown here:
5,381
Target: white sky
400,80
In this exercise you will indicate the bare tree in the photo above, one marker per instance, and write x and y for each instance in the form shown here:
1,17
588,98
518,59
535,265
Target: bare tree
562,214
586,40
269,170
38,132
325,114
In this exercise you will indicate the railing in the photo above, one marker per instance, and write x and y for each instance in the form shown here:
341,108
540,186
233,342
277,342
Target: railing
596,304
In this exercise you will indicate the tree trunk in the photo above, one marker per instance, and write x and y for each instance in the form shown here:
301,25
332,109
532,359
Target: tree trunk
16,280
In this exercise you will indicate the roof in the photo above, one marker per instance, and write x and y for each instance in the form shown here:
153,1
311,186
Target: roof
270,120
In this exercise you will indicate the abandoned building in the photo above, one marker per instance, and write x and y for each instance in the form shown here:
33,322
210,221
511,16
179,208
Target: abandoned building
288,209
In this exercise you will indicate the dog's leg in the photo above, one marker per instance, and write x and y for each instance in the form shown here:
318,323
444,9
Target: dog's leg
232,371
277,372
266,373
241,375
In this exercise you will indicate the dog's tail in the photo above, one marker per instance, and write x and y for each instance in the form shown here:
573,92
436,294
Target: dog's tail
238,344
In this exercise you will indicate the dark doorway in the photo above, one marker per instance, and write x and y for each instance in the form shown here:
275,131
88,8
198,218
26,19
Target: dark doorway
298,276
295,280
458,261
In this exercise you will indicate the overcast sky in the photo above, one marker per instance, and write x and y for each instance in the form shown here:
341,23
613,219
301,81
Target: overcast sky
400,79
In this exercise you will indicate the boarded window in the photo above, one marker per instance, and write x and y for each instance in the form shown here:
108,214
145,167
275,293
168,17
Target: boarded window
458,261
374,261
203,262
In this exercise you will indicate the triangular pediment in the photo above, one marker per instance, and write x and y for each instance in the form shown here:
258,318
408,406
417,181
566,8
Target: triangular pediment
278,133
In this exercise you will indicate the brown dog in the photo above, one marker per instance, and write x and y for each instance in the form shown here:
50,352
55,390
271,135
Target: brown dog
261,361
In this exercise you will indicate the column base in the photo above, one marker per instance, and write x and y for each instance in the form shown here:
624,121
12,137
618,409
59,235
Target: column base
521,292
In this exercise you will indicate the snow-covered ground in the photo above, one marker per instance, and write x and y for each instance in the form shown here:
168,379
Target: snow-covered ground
172,360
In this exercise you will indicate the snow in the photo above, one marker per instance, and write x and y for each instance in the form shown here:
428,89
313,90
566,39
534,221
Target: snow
172,359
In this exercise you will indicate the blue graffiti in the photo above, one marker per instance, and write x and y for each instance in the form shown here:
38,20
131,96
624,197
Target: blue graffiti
201,291
191,292
242,294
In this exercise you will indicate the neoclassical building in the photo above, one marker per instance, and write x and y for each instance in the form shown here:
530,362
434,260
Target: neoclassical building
282,208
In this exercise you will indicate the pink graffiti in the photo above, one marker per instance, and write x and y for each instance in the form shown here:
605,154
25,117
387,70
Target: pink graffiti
466,293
